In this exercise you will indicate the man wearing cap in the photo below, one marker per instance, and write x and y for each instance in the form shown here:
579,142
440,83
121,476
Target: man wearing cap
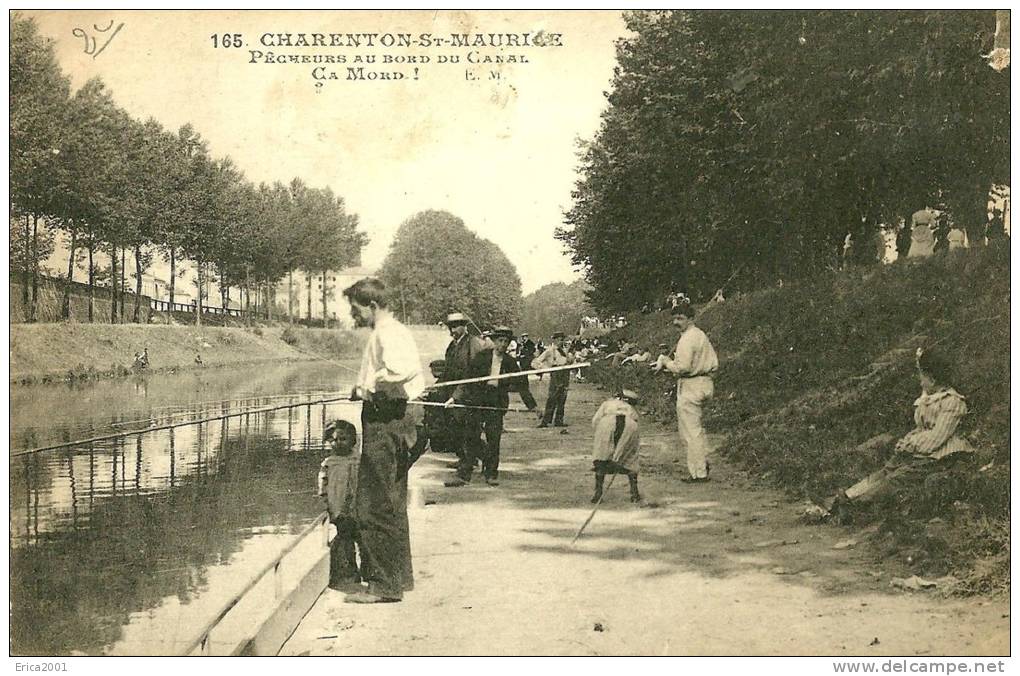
694,363
527,352
494,395
559,381
462,363
390,375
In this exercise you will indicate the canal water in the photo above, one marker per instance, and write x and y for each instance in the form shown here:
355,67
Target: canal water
128,546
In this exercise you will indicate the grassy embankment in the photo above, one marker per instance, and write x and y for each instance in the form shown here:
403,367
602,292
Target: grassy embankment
51,352
812,370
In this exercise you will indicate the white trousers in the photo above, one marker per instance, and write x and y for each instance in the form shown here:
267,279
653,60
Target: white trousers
690,395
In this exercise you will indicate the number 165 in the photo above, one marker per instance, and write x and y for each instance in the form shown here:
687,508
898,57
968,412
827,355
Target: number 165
227,40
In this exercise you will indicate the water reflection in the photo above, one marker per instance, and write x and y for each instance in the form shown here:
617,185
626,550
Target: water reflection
105,536
42,415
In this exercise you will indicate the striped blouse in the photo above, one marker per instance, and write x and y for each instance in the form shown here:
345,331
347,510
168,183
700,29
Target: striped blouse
936,416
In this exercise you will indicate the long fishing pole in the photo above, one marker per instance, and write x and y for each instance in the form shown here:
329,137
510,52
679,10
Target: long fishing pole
595,509
516,374
439,404
156,428
502,376
119,435
209,409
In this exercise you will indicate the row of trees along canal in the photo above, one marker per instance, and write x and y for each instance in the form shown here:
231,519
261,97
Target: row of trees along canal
744,146
83,167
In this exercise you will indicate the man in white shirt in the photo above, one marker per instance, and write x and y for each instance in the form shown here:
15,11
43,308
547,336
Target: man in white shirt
694,363
559,381
390,375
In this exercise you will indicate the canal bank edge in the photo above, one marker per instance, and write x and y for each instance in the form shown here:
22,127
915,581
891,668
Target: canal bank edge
63,352
41,353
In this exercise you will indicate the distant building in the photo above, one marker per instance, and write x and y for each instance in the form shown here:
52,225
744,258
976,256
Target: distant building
338,310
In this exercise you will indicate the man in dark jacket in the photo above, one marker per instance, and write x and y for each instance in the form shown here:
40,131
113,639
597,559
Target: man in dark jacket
465,424
527,351
494,396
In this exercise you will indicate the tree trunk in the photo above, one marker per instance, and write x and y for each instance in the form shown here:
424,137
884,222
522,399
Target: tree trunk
290,297
308,276
198,303
903,238
325,317
113,284
138,281
35,268
123,265
24,269
65,308
270,299
173,278
92,280
246,294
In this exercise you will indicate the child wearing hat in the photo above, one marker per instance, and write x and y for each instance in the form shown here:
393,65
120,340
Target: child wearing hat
617,440
338,484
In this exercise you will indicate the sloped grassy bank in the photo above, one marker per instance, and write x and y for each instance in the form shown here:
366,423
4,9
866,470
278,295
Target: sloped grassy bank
72,351
812,370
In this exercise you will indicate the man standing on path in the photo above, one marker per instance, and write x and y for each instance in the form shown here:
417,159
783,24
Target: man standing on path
465,423
694,363
527,352
494,395
559,381
390,375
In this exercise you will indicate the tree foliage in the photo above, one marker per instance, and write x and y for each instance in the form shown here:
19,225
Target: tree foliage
436,265
556,307
742,147
114,185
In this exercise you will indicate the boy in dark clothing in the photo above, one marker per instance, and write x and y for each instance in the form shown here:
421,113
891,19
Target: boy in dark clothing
338,484
434,433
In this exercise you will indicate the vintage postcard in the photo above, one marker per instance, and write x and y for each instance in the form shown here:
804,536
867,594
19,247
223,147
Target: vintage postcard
506,333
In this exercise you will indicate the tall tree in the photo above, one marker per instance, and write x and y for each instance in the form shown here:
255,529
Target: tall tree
742,147
93,175
437,265
38,120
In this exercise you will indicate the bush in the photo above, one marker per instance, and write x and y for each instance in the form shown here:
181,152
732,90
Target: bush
289,336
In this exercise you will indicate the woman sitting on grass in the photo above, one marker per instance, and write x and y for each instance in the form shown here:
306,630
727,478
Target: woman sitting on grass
937,414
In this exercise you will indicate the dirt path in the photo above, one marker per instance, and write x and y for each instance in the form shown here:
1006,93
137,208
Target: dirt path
718,568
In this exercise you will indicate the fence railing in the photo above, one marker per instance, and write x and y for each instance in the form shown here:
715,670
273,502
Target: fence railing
167,306
202,643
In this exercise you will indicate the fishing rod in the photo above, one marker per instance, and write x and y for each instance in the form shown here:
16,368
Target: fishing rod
437,385
182,414
439,404
120,435
156,428
594,509
516,374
